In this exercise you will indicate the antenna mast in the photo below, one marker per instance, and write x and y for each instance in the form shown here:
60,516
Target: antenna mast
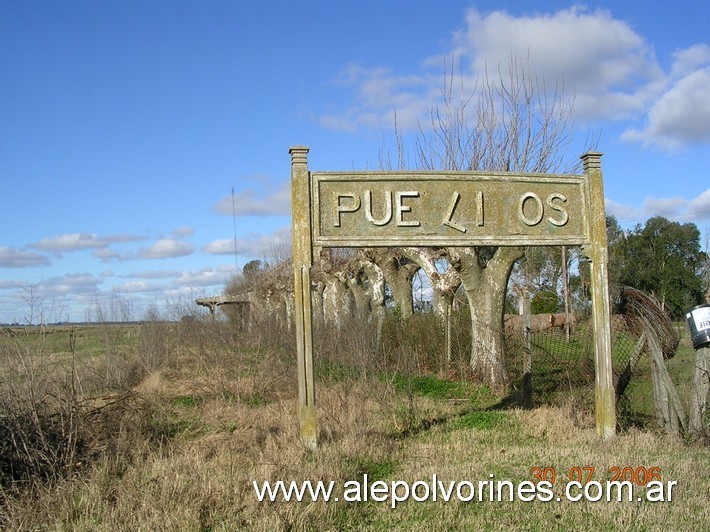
234,224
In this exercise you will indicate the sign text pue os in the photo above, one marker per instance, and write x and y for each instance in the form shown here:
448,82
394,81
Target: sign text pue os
448,209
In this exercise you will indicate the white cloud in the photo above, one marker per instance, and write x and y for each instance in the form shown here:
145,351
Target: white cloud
70,242
224,246
82,293
620,211
603,59
69,284
166,248
18,258
133,287
250,203
273,246
609,69
79,241
163,248
107,255
688,60
205,277
183,231
153,274
6,284
667,207
379,94
700,206
680,116
182,285
49,299
675,208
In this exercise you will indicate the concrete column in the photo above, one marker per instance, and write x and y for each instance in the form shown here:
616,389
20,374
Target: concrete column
302,262
601,314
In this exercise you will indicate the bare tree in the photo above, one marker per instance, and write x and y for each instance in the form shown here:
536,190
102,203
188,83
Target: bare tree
506,122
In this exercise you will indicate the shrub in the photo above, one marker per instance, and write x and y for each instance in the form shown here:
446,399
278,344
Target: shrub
545,302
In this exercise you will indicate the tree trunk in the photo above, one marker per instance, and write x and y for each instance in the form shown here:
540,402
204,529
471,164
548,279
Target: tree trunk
376,281
318,286
336,300
360,296
443,285
399,272
485,284
487,352
402,294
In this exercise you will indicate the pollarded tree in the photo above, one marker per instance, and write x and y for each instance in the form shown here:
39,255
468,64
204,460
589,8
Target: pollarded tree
337,296
443,283
399,271
506,122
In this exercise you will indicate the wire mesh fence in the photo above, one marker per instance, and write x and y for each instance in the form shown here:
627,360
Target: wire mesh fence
652,368
555,364
551,364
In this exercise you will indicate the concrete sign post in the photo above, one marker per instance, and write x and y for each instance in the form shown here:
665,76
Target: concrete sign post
394,209
302,262
596,252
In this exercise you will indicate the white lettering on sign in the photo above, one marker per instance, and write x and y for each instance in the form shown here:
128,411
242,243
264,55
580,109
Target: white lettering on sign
535,205
479,212
563,212
393,206
349,203
340,208
388,208
447,219
402,208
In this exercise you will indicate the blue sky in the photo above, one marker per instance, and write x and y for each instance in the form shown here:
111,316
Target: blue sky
124,126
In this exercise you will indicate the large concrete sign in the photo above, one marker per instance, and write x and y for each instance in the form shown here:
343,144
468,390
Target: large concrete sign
451,209
392,209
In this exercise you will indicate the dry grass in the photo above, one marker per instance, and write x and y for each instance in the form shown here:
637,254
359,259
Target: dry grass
212,413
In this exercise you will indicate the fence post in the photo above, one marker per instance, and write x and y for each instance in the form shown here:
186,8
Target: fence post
701,387
527,368
669,411
447,334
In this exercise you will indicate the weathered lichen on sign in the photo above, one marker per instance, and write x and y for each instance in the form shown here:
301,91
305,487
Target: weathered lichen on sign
461,210
448,209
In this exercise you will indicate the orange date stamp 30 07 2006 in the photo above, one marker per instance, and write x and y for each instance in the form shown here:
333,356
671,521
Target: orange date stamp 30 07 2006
585,474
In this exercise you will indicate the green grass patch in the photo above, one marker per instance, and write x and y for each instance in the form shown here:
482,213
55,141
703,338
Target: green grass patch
354,467
62,341
186,401
431,386
483,420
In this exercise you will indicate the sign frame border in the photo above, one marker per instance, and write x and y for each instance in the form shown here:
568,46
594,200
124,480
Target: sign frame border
455,240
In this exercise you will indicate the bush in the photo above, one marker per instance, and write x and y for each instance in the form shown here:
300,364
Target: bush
545,302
